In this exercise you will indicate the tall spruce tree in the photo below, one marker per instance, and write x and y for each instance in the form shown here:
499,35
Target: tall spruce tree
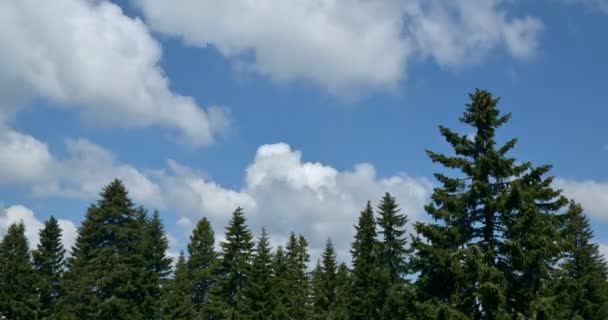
18,292
227,293
49,263
365,301
108,276
340,309
155,245
490,238
582,286
201,262
177,301
297,258
324,282
395,293
260,299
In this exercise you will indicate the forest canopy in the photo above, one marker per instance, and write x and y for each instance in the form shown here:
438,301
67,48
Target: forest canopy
500,242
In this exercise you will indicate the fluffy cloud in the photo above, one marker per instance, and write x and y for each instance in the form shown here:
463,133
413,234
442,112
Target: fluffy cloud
283,193
343,45
96,59
592,195
81,173
18,213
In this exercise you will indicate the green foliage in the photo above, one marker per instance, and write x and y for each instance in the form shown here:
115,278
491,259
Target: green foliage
365,299
582,288
201,262
488,252
260,299
324,283
108,272
49,264
232,272
295,278
177,302
17,278
340,309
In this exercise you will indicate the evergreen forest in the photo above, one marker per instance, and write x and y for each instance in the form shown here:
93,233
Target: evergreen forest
499,242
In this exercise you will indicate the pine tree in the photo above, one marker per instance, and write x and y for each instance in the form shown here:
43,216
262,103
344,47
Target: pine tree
108,276
200,264
393,290
297,258
317,292
260,299
17,277
582,286
324,282
49,263
489,238
365,302
226,294
340,310
177,301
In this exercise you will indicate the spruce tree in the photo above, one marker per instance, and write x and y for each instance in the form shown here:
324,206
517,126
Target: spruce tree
18,294
317,292
490,239
582,286
340,309
324,282
226,294
297,258
200,264
365,302
155,245
260,299
108,276
393,247
177,301
49,263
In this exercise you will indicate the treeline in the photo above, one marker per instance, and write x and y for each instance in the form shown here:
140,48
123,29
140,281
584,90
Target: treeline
500,243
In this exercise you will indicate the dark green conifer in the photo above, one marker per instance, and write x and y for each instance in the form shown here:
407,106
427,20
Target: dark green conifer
226,294
177,302
297,258
324,282
365,300
582,286
340,309
49,263
260,299
200,264
108,273
18,293
490,235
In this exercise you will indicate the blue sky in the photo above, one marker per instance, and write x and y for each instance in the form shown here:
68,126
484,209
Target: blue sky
201,106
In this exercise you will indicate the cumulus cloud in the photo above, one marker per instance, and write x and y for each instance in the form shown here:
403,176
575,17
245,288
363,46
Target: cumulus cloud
96,59
592,195
343,45
284,193
19,213
81,173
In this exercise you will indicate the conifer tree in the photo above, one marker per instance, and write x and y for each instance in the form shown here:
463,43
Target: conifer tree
177,301
365,302
18,296
226,294
324,282
155,245
490,235
297,258
260,299
582,288
108,274
317,290
200,264
340,309
393,247
49,264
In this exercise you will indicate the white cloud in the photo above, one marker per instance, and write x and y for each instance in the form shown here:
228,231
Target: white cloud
345,45
284,193
90,56
22,158
592,195
17,213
